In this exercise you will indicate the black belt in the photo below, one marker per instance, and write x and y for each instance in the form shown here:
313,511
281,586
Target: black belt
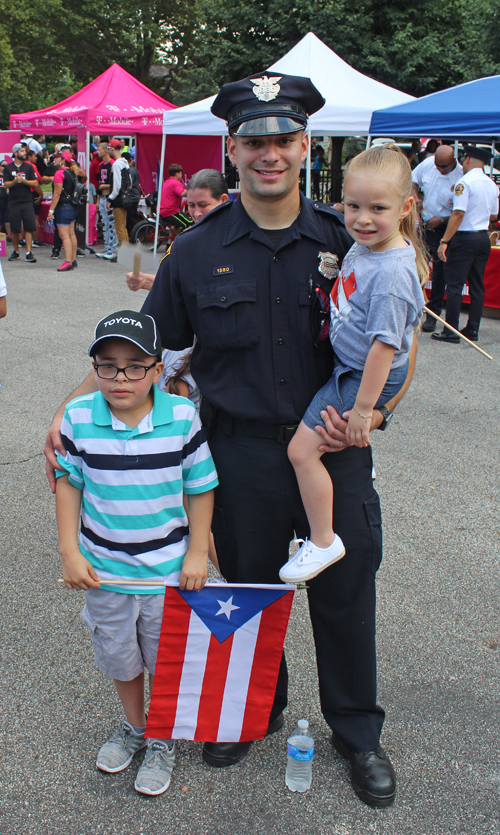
283,433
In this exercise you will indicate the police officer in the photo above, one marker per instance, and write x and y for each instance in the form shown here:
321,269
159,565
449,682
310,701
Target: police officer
243,281
436,176
465,246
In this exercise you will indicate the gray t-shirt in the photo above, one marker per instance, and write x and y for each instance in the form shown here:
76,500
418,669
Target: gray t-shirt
173,362
377,296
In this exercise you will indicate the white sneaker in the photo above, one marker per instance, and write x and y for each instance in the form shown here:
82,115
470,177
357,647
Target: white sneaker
155,772
310,560
117,753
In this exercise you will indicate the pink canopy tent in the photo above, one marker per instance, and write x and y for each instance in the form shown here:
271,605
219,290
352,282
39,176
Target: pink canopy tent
116,103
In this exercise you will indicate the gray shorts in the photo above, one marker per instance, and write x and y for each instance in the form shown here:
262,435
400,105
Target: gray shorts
125,631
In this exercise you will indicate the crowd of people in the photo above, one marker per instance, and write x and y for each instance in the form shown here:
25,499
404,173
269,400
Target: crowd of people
112,182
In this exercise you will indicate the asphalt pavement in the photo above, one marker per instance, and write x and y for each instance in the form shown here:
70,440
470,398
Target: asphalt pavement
438,629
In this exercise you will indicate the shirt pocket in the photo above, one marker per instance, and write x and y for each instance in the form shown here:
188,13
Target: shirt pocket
229,316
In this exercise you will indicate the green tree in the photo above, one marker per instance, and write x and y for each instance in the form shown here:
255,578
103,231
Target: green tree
136,36
33,70
418,47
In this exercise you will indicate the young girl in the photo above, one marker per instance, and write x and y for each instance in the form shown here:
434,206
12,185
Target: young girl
375,304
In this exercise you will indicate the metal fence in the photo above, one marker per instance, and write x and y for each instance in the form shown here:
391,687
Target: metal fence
321,182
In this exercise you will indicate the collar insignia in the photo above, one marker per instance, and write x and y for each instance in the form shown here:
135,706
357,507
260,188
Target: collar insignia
328,264
266,89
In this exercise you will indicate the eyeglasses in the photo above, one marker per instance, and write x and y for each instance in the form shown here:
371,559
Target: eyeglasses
444,166
132,372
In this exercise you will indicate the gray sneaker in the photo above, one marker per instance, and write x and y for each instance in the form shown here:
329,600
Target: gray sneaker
154,774
117,753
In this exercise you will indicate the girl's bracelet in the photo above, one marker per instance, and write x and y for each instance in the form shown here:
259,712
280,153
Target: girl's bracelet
365,417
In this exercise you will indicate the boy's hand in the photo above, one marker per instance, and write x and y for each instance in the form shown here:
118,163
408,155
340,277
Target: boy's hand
78,572
194,571
358,429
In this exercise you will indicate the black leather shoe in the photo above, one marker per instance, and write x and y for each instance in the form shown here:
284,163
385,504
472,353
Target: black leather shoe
372,775
446,336
275,725
429,325
223,754
469,333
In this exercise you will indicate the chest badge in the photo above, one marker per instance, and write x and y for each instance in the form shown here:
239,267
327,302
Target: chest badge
328,264
266,89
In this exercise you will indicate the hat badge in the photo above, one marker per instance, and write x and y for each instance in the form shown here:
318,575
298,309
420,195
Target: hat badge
266,89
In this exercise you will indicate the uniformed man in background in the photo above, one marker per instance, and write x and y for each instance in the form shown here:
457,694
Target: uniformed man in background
465,246
436,177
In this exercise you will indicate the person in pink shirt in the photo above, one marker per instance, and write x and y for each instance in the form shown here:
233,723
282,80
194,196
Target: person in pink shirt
170,204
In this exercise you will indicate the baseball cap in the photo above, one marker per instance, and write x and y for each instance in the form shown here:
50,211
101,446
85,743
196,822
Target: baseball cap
139,328
269,104
114,143
64,154
18,146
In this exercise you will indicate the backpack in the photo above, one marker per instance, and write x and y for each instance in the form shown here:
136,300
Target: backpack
79,196
124,197
76,193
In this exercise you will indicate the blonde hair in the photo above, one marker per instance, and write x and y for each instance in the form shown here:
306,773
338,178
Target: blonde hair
389,160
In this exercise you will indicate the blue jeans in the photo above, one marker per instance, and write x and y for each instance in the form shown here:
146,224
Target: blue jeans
108,227
342,388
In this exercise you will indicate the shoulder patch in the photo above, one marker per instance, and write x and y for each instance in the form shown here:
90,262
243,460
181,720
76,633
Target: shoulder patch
167,253
459,189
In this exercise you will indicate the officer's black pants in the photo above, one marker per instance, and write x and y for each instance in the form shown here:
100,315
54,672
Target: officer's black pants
467,255
432,239
257,510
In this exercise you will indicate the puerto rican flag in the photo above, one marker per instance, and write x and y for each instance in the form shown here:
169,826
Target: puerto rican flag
218,659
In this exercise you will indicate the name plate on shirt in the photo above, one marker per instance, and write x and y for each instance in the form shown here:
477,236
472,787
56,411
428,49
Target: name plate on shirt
229,268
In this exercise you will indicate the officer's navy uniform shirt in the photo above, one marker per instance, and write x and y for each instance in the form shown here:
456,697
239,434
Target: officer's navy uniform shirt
249,306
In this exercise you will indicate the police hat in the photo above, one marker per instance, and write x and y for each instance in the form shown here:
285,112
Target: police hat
477,153
267,103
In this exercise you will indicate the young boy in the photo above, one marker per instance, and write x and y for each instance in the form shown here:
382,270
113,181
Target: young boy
132,451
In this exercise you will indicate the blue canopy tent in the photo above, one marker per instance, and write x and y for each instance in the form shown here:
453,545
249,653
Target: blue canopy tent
467,111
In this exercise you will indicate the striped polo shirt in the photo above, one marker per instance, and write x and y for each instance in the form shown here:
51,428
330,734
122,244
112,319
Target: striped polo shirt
133,522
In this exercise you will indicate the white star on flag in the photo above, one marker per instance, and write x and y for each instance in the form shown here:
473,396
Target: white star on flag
226,607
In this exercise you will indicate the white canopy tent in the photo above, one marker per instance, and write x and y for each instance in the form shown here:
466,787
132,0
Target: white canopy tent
351,98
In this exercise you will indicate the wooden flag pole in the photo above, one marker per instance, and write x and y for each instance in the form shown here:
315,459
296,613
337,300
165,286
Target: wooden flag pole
137,265
443,322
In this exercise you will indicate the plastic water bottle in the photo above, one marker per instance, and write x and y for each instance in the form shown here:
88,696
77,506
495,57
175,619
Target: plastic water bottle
300,748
